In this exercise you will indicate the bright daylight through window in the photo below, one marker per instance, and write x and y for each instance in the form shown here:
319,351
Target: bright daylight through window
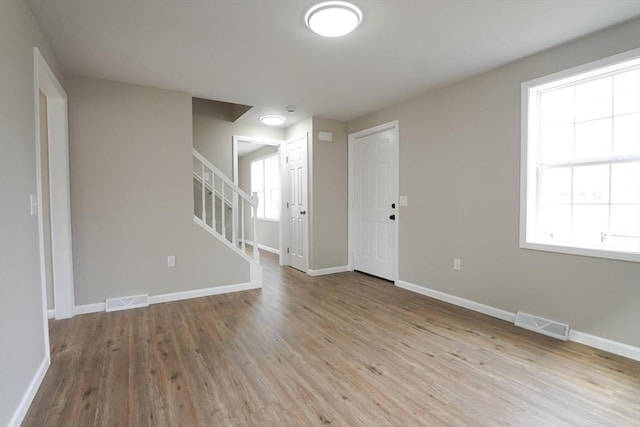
581,160
265,180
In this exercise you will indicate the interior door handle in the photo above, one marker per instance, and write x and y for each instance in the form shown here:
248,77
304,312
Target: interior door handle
392,217
303,212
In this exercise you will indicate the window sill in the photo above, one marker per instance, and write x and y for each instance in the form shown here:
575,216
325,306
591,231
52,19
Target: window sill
571,250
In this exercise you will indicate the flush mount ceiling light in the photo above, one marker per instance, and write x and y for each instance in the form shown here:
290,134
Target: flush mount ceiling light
333,18
272,120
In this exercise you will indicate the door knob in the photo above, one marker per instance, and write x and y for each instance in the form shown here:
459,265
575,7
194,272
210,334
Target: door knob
392,217
303,212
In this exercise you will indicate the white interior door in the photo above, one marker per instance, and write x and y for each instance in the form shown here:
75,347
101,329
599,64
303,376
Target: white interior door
297,204
374,197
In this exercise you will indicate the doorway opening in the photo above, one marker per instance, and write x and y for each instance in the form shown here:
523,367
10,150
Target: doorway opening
282,212
256,168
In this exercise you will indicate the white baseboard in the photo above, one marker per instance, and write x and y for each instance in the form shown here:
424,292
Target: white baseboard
263,247
330,270
600,343
176,296
89,308
461,302
197,293
30,393
605,344
51,313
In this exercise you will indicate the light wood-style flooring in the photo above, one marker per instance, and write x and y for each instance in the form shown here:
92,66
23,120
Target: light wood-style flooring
341,350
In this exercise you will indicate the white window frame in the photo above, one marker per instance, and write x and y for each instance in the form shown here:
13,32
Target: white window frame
263,160
529,161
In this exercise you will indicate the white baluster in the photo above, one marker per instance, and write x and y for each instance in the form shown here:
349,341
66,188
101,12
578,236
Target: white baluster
213,201
204,197
255,200
242,225
234,218
223,208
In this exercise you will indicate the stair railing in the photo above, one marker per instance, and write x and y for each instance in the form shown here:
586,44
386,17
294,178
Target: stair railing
221,207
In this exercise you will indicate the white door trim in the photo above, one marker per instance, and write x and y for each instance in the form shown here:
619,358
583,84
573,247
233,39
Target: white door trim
393,126
59,187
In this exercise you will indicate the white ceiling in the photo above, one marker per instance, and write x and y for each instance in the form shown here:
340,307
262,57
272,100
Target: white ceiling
260,53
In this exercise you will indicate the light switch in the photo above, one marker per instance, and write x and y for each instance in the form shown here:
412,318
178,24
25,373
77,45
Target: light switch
404,200
171,261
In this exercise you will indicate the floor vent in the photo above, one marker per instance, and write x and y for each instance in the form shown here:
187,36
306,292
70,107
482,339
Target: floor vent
125,303
542,326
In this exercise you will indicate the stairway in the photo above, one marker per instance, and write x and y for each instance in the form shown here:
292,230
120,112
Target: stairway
223,209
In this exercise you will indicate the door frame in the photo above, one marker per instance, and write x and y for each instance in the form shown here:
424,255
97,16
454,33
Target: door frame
59,191
393,126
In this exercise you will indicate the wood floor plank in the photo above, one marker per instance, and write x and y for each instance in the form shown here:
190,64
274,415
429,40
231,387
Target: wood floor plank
346,349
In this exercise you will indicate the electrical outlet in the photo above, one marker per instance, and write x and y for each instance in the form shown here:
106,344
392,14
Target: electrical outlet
171,261
457,264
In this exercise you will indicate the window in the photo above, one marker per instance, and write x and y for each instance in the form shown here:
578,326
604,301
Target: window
580,167
265,180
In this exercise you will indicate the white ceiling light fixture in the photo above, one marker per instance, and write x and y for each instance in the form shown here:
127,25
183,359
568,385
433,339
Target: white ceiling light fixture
333,18
272,120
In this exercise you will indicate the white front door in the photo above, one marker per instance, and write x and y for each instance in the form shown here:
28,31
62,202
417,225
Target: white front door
297,204
374,200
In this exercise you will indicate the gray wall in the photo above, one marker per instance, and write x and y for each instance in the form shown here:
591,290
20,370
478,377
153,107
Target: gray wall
22,349
460,167
268,230
213,133
329,186
132,195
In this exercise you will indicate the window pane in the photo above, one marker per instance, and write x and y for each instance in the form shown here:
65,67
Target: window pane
273,204
555,222
594,99
589,223
625,243
556,185
591,184
257,176
625,183
593,139
261,206
625,220
556,107
271,173
626,88
556,144
626,135
272,187
257,184
585,141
